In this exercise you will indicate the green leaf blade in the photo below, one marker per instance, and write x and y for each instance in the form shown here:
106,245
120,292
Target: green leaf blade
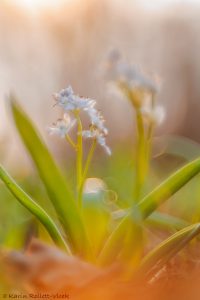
168,188
164,221
157,220
34,208
148,205
160,255
56,186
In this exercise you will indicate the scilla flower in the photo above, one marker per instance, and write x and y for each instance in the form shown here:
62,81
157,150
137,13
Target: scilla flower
71,102
131,81
62,126
98,135
155,115
135,84
97,120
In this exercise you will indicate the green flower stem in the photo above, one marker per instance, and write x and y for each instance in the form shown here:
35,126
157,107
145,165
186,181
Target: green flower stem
71,142
148,148
86,168
79,153
150,131
89,159
140,156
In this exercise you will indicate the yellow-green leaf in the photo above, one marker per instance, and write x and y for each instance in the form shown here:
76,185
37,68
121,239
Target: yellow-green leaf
148,205
34,208
160,255
56,185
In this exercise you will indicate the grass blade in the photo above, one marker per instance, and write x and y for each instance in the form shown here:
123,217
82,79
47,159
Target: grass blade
131,254
56,186
118,238
160,255
149,204
34,208
166,222
157,219
168,188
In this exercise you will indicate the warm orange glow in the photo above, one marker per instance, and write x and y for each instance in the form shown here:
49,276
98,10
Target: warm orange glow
36,4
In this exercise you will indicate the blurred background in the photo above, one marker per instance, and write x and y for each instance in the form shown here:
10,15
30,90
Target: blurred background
48,44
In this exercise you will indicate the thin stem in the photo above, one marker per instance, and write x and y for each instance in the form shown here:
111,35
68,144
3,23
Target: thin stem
149,144
150,131
140,155
71,142
143,150
89,159
86,168
79,153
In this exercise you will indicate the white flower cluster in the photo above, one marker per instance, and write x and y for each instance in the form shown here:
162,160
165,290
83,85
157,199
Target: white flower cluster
119,70
73,104
137,87
62,126
100,136
155,115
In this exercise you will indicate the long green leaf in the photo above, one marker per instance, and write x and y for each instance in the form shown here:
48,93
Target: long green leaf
56,186
117,239
34,208
149,204
168,188
160,255
157,220
166,222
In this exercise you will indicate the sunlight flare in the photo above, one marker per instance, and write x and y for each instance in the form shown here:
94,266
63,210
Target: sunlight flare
37,4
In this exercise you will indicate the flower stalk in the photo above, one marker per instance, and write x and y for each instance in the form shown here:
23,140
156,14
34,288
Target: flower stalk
140,156
75,105
71,142
85,172
79,158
